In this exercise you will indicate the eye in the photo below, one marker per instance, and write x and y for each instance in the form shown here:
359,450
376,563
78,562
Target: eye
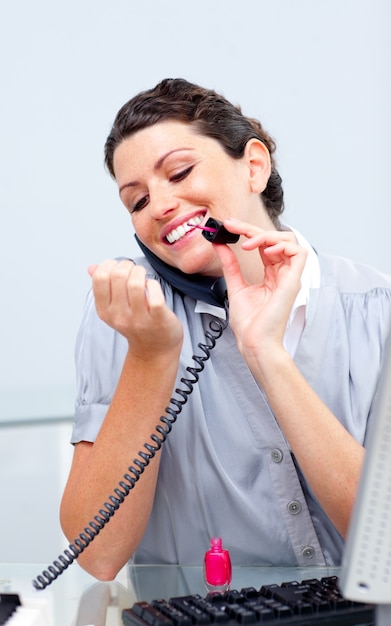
181,175
139,205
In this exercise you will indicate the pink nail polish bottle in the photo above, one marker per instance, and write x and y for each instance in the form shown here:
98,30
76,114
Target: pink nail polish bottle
217,566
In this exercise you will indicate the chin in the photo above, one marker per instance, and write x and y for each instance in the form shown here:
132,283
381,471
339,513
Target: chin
199,266
200,259
200,269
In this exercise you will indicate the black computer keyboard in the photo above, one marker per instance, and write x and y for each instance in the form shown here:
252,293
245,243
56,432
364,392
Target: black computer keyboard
310,602
9,602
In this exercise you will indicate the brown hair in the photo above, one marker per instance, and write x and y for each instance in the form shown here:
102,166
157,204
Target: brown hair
209,113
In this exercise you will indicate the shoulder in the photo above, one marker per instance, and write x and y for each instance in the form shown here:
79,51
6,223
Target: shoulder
351,277
364,297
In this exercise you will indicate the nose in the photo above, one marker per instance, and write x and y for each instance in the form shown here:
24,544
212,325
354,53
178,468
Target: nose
162,202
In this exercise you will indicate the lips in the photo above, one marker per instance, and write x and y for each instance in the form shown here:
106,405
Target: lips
180,231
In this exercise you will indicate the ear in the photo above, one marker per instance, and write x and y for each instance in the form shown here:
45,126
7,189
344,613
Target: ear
258,160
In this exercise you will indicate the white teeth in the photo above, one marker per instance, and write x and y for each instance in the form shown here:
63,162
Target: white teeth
179,232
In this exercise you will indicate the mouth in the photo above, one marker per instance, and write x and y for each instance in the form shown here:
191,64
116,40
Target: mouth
180,231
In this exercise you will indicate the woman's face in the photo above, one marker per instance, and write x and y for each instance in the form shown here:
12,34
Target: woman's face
169,177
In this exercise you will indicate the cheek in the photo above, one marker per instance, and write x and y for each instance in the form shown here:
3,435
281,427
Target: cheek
223,183
141,227
197,188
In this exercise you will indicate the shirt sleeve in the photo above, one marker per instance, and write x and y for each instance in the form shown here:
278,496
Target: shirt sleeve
369,327
99,356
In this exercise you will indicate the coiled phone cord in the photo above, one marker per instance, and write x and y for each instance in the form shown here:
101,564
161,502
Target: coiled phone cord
216,328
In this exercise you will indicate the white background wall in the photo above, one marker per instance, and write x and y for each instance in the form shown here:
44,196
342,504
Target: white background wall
316,72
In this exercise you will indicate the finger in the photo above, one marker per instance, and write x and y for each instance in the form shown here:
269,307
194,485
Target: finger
255,234
240,228
289,260
101,283
119,278
91,269
282,251
136,289
231,270
155,297
268,238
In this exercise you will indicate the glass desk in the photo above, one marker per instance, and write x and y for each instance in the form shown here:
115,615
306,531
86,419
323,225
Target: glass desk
78,599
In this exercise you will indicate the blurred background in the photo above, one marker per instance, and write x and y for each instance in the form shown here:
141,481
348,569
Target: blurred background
316,73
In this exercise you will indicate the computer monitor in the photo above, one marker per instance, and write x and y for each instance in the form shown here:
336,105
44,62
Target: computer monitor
366,566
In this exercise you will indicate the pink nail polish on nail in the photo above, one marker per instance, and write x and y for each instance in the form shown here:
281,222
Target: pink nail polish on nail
217,566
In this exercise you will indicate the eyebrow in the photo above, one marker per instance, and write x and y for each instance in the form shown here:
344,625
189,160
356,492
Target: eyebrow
156,167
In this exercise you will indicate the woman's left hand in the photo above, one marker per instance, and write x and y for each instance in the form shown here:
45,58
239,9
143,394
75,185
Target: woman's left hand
259,312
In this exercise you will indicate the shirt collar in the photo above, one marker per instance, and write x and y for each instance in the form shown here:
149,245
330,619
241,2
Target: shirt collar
204,307
310,278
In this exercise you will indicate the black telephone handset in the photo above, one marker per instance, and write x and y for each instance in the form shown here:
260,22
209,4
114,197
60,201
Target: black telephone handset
207,289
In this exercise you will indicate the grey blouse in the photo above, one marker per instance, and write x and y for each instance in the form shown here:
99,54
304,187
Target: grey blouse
226,469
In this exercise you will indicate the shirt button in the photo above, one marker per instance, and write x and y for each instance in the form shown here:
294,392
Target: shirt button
308,552
294,507
277,455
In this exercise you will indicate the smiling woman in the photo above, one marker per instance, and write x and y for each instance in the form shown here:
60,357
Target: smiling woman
289,384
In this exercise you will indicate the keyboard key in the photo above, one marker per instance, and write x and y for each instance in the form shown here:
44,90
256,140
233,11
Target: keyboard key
263,613
150,615
234,597
171,612
249,592
187,606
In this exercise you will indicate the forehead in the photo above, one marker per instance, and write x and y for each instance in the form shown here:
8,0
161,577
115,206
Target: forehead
145,147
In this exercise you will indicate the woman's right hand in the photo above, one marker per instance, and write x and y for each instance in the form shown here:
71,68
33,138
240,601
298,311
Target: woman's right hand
135,307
